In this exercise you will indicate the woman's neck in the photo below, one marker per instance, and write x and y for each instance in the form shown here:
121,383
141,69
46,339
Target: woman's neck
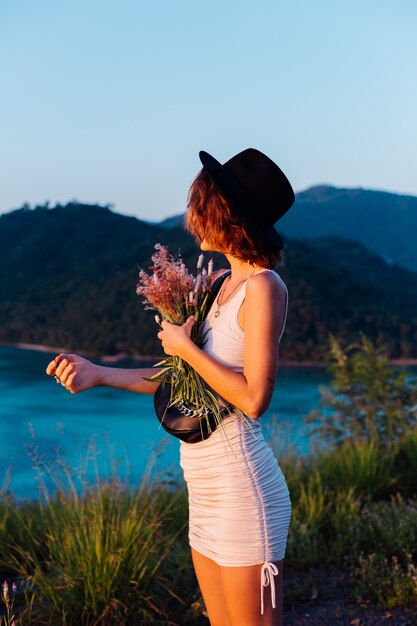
241,269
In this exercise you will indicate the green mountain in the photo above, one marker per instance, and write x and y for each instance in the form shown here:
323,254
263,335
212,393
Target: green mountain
386,223
68,276
173,221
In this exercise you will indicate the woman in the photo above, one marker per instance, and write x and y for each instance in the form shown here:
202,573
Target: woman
239,503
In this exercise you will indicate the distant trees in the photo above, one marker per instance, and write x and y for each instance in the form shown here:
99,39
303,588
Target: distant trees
68,276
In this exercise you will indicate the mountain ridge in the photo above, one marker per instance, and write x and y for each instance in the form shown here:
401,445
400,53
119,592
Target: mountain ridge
383,221
68,276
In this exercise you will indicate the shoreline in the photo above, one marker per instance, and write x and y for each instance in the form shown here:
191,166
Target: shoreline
114,358
108,358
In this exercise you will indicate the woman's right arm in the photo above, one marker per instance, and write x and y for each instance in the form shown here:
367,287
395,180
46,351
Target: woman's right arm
131,379
78,374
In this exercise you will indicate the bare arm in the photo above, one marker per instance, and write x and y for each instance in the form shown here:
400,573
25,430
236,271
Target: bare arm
251,390
130,379
79,374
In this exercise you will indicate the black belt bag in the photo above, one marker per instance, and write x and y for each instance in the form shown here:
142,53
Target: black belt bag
185,421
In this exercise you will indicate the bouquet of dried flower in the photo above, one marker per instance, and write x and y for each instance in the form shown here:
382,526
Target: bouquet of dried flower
176,294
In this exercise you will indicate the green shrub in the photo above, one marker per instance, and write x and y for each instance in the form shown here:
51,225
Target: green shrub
320,517
388,582
386,528
383,545
96,557
410,448
406,464
366,466
367,397
4,514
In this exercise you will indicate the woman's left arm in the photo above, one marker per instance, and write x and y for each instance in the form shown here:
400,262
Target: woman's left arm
251,390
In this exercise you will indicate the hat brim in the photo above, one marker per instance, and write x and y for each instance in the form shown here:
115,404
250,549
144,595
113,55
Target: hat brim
208,161
273,236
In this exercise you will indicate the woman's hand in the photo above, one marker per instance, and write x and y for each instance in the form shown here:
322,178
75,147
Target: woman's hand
74,372
175,338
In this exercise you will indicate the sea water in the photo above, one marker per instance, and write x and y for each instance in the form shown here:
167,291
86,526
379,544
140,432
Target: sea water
48,434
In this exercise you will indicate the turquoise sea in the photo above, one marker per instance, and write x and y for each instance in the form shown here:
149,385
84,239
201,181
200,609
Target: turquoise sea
45,431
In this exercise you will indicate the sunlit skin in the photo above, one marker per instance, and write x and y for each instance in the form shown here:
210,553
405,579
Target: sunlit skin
261,316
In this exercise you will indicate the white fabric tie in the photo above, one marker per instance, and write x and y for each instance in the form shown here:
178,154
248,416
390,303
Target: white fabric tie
268,571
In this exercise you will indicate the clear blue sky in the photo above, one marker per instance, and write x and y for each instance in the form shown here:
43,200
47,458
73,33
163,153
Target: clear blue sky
110,101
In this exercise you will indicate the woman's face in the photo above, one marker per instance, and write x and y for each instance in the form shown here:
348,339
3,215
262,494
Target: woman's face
206,245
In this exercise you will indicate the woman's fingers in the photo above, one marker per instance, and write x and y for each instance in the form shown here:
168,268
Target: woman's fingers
74,372
63,363
67,376
53,365
71,386
61,367
67,371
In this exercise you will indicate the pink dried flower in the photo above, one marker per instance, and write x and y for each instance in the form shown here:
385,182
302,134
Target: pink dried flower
204,281
177,295
171,290
5,590
167,288
14,587
197,285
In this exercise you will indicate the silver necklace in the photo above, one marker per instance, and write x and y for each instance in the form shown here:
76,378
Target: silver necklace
217,313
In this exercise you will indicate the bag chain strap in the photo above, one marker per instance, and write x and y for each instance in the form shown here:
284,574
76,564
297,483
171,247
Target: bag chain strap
191,412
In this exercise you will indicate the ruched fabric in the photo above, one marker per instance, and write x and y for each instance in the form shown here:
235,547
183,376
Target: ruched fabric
239,502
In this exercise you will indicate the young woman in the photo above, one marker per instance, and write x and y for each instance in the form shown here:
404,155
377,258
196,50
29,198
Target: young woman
239,504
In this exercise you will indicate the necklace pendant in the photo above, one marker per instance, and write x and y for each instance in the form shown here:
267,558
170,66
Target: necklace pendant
217,313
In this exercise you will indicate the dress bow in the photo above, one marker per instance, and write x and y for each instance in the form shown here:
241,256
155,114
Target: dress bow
268,571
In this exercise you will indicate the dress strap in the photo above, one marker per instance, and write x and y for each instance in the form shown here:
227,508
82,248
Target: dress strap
268,571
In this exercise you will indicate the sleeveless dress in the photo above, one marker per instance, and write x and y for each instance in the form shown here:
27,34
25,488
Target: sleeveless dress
239,504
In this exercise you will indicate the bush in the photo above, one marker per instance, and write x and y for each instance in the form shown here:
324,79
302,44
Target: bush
406,464
96,557
365,466
388,582
320,517
367,399
386,528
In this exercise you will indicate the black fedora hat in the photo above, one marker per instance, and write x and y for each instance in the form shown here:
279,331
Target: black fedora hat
256,188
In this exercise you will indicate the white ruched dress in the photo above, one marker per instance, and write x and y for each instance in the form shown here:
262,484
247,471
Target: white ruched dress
239,504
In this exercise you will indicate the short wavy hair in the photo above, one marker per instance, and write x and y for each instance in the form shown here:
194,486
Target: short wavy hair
210,216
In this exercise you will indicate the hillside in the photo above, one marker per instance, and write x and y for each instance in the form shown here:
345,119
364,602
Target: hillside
386,223
68,276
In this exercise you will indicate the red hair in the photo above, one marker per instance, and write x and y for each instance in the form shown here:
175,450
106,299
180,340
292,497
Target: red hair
210,216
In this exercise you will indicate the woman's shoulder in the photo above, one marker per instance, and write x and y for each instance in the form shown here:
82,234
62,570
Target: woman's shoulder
267,293
267,281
